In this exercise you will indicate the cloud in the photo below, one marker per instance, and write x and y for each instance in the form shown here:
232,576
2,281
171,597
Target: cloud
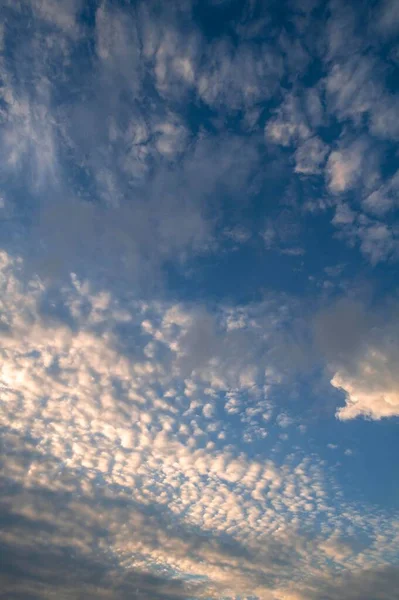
384,198
104,177
63,17
355,90
362,354
345,167
294,125
384,123
364,585
378,241
151,444
119,460
382,400
388,18
354,170
171,208
343,215
289,125
350,87
257,68
341,38
309,156
131,164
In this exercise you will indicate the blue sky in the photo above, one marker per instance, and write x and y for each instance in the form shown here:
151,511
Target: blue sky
199,251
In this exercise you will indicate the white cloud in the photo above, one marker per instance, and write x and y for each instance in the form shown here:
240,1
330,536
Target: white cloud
284,420
173,56
362,354
350,88
355,89
208,410
377,240
236,78
289,125
172,137
294,124
344,167
366,394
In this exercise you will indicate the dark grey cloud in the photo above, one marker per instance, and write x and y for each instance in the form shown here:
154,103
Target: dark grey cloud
367,584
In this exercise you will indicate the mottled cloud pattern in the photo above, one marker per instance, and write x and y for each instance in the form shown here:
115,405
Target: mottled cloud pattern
121,438
198,300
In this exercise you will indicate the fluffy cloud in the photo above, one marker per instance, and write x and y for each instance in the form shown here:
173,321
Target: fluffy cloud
377,402
345,167
362,355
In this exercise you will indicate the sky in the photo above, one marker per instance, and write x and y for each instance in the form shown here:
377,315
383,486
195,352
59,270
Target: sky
199,305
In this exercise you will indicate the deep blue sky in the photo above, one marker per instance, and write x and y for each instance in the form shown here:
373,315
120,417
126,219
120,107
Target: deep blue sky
199,246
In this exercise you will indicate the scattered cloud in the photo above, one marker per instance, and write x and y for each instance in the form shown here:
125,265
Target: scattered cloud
309,156
84,409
